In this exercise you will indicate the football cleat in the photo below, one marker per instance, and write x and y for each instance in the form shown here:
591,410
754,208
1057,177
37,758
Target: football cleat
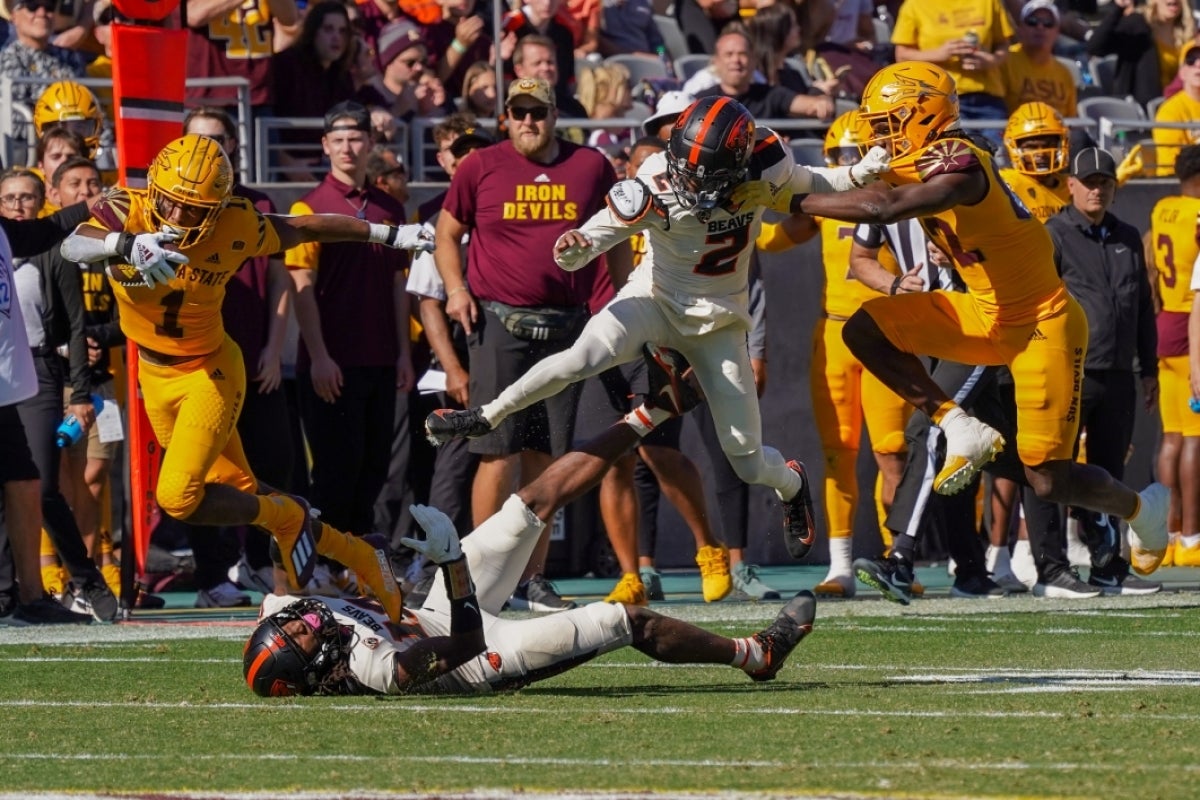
297,542
748,586
836,586
779,639
629,591
667,372
1100,534
447,424
653,583
891,576
799,527
1148,529
715,581
970,444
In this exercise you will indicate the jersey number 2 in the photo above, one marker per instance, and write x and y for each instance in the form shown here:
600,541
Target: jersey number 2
723,260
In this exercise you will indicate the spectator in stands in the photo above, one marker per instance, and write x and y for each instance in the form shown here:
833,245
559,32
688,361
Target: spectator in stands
604,92
583,18
542,18
1181,107
536,56
30,54
402,56
50,291
853,25
235,39
775,36
735,76
353,316
313,75
257,307
670,105
627,26
386,172
457,41
479,90
702,20
1031,72
971,44
1146,39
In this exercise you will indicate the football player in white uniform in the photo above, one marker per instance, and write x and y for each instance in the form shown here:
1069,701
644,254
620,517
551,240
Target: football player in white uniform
690,291
456,642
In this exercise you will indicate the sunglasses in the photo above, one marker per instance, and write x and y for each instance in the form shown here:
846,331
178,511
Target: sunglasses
1044,22
1192,58
536,113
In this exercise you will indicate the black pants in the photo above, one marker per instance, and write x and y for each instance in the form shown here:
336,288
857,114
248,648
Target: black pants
351,444
41,415
1108,405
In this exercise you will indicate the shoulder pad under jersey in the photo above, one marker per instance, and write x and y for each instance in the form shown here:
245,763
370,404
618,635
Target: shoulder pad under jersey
630,200
769,151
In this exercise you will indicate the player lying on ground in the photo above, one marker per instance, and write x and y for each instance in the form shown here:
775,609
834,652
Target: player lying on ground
690,290
455,642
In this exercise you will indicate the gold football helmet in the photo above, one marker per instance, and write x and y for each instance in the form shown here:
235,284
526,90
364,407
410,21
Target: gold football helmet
1036,139
844,140
906,106
190,182
73,106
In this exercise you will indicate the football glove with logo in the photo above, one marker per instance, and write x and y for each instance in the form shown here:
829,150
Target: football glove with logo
440,544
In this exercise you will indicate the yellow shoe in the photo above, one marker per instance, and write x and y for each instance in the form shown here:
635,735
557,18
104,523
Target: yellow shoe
715,581
970,444
112,577
1185,556
835,586
1169,558
368,557
54,579
629,591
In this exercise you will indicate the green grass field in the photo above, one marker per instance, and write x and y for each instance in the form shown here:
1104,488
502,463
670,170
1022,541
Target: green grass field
972,699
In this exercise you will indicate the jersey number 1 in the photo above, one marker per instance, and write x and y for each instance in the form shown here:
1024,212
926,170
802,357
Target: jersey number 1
171,303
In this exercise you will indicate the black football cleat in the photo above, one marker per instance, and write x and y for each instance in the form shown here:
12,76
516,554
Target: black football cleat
779,639
799,525
893,577
447,424
667,371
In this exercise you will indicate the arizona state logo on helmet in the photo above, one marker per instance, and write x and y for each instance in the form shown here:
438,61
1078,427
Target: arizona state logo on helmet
1036,139
708,152
72,106
193,173
908,105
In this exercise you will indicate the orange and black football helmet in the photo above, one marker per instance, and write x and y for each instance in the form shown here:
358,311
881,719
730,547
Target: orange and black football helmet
709,152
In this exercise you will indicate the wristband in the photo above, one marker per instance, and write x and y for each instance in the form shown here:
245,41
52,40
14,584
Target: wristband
457,576
119,243
896,284
856,184
379,233
455,291
458,47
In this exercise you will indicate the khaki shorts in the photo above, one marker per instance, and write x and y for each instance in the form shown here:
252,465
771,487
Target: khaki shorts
96,449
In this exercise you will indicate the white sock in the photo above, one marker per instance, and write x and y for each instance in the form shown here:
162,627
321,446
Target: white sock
999,562
1022,563
839,555
645,419
1191,540
747,654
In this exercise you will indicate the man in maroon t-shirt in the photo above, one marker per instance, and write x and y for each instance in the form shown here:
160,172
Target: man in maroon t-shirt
515,199
353,314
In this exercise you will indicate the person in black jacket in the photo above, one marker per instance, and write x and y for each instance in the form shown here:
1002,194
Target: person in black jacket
51,296
1103,265
1126,32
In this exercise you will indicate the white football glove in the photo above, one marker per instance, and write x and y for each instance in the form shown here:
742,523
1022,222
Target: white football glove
145,252
440,544
403,237
874,163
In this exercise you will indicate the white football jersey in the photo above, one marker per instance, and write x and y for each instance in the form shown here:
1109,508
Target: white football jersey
699,269
377,640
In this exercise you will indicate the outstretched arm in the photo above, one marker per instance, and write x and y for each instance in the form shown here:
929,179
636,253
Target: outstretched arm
879,205
298,230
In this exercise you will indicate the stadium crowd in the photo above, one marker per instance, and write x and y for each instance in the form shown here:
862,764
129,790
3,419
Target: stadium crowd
349,346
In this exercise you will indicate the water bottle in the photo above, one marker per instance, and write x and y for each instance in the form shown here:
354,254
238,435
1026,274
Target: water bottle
70,430
666,59
1194,404
971,38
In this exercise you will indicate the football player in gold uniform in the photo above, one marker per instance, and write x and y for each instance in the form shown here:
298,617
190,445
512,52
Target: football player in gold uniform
1036,139
1172,247
170,250
1016,312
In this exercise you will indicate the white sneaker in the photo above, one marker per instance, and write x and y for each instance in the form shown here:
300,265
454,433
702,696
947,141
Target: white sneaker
1148,536
256,580
223,595
969,445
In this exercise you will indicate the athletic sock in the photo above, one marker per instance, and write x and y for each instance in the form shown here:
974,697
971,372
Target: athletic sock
747,654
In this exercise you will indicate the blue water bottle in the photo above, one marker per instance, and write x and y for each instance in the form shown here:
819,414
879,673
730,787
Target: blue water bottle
70,430
1194,404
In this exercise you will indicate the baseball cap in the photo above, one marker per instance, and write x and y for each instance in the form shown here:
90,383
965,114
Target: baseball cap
395,38
669,107
1039,5
468,139
348,116
535,88
1093,161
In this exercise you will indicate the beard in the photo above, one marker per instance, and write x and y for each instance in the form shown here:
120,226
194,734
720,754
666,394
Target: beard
530,146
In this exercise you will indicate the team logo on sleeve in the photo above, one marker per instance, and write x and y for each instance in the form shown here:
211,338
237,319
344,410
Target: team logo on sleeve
946,156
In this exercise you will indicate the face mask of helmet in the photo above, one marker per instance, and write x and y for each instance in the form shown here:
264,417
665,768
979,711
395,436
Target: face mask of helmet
275,665
699,192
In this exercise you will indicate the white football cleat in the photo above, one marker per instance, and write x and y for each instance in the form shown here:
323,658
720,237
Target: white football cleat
969,445
1148,536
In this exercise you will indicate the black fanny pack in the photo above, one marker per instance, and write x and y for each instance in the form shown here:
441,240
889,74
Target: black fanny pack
540,323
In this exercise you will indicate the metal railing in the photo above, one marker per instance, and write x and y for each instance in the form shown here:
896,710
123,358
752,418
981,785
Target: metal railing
275,160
